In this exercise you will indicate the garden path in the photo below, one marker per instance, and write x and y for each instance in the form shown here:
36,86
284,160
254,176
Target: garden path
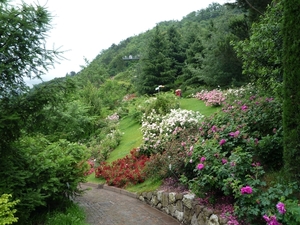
112,206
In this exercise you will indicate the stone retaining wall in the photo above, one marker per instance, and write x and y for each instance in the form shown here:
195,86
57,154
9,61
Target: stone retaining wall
183,207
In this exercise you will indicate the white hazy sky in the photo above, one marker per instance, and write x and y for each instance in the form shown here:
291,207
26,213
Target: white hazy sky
84,28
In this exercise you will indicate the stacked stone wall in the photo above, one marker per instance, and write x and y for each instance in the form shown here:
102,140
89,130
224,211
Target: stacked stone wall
183,207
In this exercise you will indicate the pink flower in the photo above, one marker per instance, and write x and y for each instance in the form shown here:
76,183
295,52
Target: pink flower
246,190
232,164
191,148
255,164
183,143
214,128
244,107
202,159
234,134
271,220
222,142
191,161
200,166
224,161
281,208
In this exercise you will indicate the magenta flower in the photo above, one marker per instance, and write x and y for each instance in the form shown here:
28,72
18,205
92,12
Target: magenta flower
224,161
244,107
222,142
214,128
202,159
234,134
281,208
200,166
232,164
255,164
271,220
246,190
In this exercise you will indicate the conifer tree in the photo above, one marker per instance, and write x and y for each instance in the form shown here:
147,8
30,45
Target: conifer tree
156,66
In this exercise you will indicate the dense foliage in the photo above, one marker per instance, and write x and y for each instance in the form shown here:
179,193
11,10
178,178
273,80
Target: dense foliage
48,133
291,116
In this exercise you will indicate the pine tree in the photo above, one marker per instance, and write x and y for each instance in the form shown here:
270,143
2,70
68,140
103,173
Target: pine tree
156,66
291,83
23,32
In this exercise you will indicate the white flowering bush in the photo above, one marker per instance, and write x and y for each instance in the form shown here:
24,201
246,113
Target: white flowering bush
158,129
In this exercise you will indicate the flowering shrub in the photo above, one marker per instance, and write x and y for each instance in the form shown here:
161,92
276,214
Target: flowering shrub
234,150
159,129
91,167
254,124
128,170
211,98
171,162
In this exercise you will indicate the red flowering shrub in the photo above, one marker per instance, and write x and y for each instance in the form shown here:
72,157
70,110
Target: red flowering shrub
128,170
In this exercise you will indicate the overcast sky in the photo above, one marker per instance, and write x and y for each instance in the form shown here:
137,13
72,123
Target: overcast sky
84,28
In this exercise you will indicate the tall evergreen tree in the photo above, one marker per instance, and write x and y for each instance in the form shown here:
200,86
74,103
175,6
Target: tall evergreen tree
194,57
175,51
156,66
291,83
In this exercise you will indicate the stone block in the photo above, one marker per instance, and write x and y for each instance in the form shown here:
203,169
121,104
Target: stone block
165,199
188,200
213,220
154,201
172,209
149,195
179,216
207,212
172,197
179,206
187,215
179,196
159,195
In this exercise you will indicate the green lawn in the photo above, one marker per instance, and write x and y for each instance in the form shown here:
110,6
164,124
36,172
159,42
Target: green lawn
132,138
197,105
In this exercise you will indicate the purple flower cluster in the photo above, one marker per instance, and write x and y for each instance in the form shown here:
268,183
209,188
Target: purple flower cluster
200,166
271,220
246,190
281,208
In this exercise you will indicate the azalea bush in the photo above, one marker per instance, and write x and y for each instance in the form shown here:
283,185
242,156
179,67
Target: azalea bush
125,171
158,129
211,98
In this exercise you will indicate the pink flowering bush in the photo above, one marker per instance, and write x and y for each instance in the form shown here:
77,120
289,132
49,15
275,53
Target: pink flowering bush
211,98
